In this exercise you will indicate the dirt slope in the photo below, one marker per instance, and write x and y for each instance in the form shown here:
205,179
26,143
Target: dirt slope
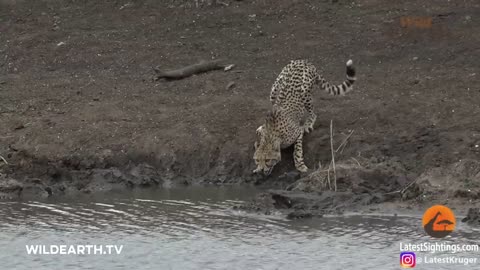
79,110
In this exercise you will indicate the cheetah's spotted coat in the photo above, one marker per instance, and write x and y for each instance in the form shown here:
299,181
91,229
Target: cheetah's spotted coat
291,96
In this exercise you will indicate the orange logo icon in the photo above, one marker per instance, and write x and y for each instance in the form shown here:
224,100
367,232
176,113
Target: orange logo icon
438,221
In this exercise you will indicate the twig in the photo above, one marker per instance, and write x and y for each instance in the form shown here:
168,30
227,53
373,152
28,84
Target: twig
328,178
409,185
392,192
333,155
357,161
222,3
344,143
401,191
177,74
4,160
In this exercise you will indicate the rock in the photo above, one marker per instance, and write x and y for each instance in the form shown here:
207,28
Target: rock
299,214
19,126
473,216
229,67
230,85
35,191
9,188
127,5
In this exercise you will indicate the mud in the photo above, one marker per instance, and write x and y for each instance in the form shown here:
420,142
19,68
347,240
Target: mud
80,112
473,216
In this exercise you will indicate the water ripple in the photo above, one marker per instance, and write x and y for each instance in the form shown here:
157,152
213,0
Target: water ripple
174,233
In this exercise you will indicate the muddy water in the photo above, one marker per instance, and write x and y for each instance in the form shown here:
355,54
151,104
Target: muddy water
196,228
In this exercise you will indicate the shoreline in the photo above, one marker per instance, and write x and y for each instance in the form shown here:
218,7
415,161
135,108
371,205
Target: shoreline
81,113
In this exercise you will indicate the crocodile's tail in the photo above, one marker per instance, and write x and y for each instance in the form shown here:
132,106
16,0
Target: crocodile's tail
342,88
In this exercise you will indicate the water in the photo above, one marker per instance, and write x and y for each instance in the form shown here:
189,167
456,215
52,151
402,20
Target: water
196,228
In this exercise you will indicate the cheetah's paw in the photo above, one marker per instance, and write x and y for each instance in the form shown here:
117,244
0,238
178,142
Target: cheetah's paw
302,169
307,129
259,130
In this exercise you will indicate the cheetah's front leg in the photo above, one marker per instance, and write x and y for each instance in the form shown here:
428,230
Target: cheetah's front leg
298,154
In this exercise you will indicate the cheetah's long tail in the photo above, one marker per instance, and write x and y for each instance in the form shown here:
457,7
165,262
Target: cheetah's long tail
342,88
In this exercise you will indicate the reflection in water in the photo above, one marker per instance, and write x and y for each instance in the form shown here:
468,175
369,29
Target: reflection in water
196,228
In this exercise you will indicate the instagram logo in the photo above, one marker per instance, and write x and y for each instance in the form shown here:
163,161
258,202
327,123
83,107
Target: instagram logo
408,260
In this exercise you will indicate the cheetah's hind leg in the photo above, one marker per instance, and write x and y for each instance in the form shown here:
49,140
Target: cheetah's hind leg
298,154
308,126
311,118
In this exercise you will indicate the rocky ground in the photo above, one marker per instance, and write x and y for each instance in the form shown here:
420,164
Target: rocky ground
80,112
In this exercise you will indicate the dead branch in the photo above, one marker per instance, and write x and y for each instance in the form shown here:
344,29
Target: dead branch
201,67
328,178
333,155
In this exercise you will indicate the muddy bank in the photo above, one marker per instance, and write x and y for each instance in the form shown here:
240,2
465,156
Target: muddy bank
80,112
378,188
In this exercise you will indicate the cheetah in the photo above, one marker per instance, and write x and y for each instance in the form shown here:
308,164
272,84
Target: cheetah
291,96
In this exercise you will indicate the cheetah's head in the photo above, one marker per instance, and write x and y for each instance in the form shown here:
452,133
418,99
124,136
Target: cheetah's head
267,147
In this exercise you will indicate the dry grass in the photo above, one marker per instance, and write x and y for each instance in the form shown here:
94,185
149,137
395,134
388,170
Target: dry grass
333,156
332,166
